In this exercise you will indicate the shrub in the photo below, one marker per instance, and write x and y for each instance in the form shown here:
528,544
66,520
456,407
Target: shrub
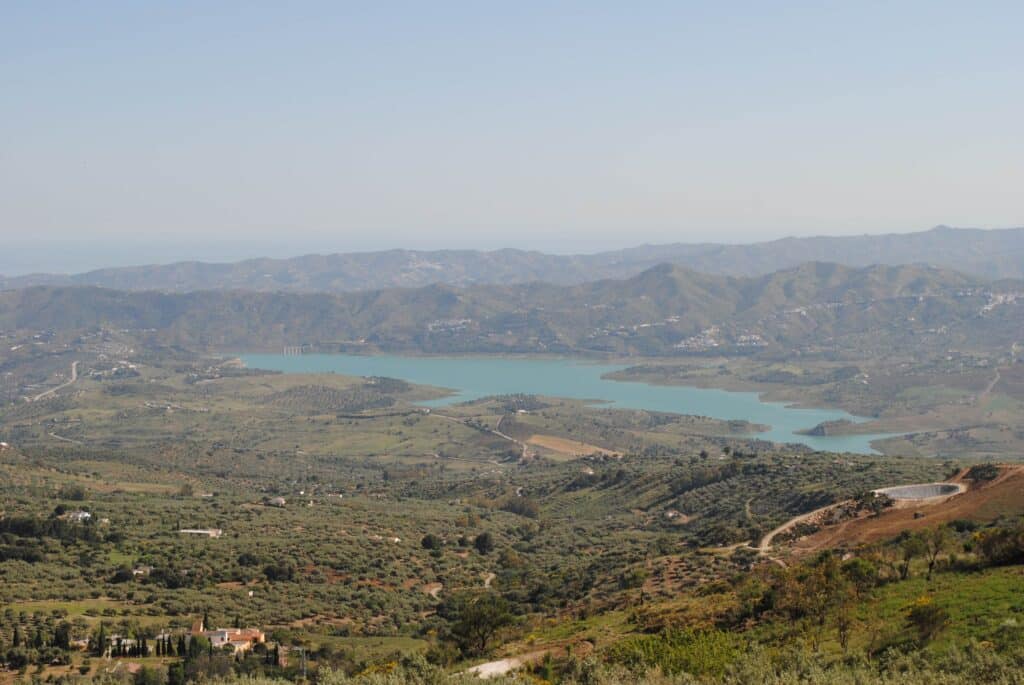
926,619
484,543
1001,546
983,472
72,492
680,651
522,506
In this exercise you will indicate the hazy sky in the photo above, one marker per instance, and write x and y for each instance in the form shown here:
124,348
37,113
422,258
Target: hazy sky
557,125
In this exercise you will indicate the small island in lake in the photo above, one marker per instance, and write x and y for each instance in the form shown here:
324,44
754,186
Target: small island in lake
826,428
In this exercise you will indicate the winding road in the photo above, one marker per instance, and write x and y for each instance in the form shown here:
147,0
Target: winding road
765,545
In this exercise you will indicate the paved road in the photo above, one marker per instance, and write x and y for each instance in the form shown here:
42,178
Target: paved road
47,393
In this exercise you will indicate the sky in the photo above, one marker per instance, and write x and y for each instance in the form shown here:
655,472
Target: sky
155,131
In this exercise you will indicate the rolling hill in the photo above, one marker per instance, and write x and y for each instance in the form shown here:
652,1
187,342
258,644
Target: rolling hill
815,307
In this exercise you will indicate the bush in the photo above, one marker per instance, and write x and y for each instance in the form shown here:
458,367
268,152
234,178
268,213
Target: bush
522,506
71,491
1002,546
248,559
279,571
927,619
963,525
983,472
122,575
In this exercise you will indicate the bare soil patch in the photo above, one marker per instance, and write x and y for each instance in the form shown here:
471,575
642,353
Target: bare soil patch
572,448
432,589
981,502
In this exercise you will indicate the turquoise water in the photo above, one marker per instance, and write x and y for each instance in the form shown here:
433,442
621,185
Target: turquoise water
474,377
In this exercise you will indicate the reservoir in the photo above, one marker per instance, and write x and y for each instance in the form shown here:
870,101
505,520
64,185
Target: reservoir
470,378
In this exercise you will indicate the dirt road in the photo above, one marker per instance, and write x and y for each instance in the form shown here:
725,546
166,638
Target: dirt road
766,542
500,667
47,393
526,452
493,669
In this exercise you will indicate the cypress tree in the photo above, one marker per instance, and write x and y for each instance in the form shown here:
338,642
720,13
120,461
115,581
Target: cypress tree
62,636
101,641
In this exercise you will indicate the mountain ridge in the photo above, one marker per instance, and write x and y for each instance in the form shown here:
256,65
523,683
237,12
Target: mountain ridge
997,253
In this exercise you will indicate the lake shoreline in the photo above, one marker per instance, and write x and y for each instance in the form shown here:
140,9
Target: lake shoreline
477,376
765,392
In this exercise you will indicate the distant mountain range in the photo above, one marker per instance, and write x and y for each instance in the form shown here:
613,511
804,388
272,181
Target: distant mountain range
815,308
984,253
